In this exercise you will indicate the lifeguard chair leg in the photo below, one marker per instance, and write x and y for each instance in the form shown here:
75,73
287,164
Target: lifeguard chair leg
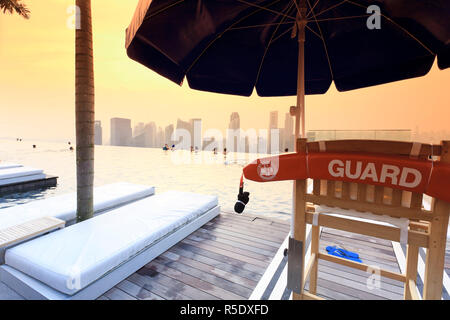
434,265
299,232
412,256
435,260
315,234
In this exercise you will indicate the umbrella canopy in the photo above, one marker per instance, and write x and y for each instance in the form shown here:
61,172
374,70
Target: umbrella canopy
288,47
234,46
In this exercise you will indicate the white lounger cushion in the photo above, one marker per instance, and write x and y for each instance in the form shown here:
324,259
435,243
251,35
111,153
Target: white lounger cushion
72,258
4,165
65,206
19,172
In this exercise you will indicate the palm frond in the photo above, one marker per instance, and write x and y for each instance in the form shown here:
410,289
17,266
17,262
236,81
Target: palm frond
12,6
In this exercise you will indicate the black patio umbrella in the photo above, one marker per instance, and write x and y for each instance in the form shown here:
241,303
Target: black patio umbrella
289,47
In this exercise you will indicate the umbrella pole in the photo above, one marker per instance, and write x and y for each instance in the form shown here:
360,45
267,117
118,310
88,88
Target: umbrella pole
298,225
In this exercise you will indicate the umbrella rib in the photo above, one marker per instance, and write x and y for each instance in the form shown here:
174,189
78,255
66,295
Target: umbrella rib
323,40
397,25
281,34
223,32
297,6
260,25
343,18
328,9
312,8
264,8
286,31
163,9
310,29
268,46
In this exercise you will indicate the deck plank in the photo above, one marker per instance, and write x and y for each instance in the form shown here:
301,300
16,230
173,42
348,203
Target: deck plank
224,266
193,281
219,235
117,294
215,280
258,230
136,291
211,269
252,251
225,258
219,229
226,252
166,287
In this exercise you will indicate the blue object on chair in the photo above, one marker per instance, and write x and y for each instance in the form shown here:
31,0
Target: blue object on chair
342,253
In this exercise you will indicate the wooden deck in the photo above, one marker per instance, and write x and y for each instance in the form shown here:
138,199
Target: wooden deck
226,259
229,258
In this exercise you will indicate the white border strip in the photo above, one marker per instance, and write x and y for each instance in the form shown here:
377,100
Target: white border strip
280,286
268,274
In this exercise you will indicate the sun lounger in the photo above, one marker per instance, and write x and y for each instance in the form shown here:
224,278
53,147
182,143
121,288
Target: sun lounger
4,165
86,259
64,206
20,174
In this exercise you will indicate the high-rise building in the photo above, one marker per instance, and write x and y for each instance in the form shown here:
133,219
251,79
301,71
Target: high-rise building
138,135
273,125
282,140
150,135
98,139
121,132
139,140
235,121
138,129
181,142
262,144
196,133
168,134
288,132
160,138
208,143
233,133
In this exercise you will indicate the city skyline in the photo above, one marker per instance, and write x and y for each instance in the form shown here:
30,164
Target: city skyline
150,135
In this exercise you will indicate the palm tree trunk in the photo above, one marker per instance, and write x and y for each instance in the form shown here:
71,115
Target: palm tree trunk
84,112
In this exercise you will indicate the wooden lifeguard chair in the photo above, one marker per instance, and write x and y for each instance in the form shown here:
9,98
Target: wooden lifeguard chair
425,228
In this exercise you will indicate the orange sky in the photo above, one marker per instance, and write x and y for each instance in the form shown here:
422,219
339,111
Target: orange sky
37,85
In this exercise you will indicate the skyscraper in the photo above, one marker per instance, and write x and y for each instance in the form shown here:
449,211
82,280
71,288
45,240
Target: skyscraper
138,135
183,125
138,129
150,135
168,134
98,139
289,132
235,122
159,138
233,133
120,132
196,133
273,124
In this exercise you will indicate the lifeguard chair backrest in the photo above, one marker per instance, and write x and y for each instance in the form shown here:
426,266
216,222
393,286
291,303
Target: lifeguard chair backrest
365,193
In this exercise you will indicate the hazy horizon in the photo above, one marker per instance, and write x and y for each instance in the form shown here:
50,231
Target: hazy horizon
37,81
